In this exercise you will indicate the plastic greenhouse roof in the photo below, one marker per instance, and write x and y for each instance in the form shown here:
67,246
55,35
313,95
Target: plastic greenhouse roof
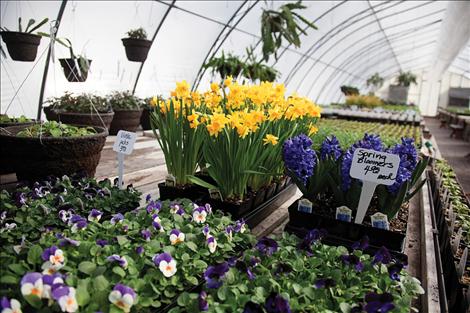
354,40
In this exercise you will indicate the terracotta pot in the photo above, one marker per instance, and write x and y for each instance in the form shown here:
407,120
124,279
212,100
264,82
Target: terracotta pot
36,158
126,120
73,71
21,46
136,49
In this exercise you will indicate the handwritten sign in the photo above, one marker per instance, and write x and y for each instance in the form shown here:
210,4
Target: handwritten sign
373,168
123,145
124,142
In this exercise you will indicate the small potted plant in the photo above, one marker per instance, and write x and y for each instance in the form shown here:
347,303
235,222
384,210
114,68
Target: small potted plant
399,93
83,109
375,81
77,66
349,90
23,45
6,121
127,111
137,45
51,148
229,65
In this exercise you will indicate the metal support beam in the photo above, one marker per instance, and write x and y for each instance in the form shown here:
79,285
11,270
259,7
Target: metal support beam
46,66
153,39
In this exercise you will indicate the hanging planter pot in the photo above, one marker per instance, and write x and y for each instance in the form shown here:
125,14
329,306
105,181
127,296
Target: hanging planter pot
21,46
75,70
136,49
126,120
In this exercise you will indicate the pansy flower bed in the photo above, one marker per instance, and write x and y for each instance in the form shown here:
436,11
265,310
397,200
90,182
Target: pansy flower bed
138,261
292,275
31,210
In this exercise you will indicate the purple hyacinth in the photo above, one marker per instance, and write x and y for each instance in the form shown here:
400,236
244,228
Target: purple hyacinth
376,302
330,148
362,244
214,274
408,161
372,142
325,283
275,303
382,256
299,157
267,246
202,299
353,260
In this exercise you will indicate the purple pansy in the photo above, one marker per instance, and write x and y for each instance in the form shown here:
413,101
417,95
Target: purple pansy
394,271
325,283
10,306
312,237
378,303
252,307
199,215
176,236
123,297
148,197
78,223
69,242
267,246
31,284
229,232
65,296
101,242
330,148
299,157
353,260
117,218
165,263
202,300
240,226
122,261
211,243
206,230
146,234
382,256
275,303
50,282
214,274
139,250
153,207
362,244
95,215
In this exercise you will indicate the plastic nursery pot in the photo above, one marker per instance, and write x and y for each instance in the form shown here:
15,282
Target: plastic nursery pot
136,49
73,71
145,119
21,46
260,197
237,209
339,230
126,120
190,191
35,158
89,119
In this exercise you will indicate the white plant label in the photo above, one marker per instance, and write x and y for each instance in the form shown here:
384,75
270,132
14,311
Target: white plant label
463,262
343,213
170,180
305,206
123,145
379,220
373,168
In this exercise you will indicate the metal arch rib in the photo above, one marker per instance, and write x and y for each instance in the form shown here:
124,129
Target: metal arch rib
211,53
153,39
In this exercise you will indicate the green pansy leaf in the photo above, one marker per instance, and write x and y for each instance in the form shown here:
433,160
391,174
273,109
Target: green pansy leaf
87,267
119,271
34,254
100,282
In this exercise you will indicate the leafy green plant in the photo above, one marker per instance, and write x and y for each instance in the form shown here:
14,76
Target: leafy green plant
229,65
82,103
375,81
124,101
55,129
364,101
406,79
458,110
280,25
258,70
5,119
138,33
30,27
349,90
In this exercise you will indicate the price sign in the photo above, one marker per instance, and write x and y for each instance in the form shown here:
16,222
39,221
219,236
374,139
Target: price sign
123,145
373,168
124,142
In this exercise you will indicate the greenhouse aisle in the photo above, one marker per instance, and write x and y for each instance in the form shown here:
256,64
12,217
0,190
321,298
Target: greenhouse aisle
453,150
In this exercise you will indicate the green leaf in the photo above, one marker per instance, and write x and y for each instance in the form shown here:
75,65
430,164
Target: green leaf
193,280
222,293
9,279
87,267
119,271
192,246
34,254
83,297
100,282
183,299
345,307
17,268
122,240
34,301
200,264
200,182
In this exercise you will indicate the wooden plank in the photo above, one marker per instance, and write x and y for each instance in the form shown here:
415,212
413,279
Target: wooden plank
143,177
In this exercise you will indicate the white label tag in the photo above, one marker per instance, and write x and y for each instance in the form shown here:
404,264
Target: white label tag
343,213
124,142
373,168
215,194
380,220
463,262
305,206
170,180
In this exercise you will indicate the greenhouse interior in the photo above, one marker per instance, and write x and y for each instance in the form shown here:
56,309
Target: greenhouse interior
235,156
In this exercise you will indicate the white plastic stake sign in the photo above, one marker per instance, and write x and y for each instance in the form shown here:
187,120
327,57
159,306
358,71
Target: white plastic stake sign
373,168
123,145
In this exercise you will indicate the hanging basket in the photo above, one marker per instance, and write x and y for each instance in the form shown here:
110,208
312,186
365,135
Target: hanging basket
136,49
73,70
21,46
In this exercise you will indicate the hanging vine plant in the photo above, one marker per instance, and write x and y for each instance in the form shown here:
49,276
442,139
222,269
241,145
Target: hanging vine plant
375,80
229,65
405,79
283,24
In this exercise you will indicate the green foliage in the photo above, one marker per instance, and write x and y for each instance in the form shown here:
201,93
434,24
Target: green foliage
375,80
5,119
229,65
30,28
282,25
82,103
364,101
124,101
138,33
349,90
55,129
458,110
406,79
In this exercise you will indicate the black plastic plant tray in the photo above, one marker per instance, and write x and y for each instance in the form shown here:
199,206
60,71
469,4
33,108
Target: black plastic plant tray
349,230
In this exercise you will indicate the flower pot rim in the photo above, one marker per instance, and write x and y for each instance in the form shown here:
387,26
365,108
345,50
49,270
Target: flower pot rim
10,132
128,110
83,114
135,39
8,32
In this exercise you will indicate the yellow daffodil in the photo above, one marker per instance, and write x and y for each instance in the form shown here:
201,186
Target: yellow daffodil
182,89
312,130
215,87
154,101
271,139
228,81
